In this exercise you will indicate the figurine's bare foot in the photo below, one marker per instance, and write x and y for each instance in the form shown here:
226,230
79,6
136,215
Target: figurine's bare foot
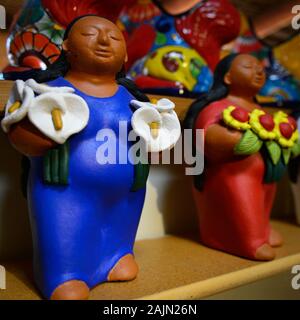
125,269
71,290
275,238
265,253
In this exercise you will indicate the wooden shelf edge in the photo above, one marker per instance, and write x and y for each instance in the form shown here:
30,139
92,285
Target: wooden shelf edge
174,268
232,280
181,104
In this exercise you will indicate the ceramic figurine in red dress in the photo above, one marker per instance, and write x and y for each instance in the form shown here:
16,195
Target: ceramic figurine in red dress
246,152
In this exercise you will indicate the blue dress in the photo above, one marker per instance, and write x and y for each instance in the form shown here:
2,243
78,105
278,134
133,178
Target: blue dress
81,230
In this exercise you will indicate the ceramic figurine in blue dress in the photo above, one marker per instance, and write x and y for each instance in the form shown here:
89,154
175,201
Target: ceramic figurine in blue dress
84,213
95,217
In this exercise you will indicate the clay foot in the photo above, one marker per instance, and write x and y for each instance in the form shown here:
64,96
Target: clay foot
275,238
126,269
265,253
71,290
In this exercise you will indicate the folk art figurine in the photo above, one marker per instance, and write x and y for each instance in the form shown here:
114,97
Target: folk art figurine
84,211
282,87
246,153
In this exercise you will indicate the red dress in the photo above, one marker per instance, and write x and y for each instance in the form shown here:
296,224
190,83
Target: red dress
235,204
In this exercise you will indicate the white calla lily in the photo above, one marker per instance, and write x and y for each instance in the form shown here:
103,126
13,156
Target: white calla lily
55,111
162,105
21,95
71,108
40,88
157,124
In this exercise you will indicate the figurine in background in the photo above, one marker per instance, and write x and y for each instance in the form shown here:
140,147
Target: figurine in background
84,207
246,152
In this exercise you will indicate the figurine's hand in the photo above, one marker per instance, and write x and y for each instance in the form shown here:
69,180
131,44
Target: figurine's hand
220,142
57,112
28,140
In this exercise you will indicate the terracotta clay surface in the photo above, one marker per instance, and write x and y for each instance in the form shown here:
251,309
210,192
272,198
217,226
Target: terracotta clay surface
28,140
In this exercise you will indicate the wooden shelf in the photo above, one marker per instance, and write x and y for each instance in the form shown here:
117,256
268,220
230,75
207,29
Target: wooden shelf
174,268
5,87
182,104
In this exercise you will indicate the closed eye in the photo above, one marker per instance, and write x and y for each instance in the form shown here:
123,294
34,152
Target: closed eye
115,37
86,34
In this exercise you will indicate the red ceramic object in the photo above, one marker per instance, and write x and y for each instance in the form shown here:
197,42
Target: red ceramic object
238,222
209,27
293,122
240,114
144,34
142,10
235,196
267,122
286,130
64,11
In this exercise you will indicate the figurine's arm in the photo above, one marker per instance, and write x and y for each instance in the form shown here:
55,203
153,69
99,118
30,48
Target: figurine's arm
28,140
220,142
39,117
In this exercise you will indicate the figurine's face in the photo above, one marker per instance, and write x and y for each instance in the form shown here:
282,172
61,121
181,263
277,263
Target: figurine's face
246,74
96,45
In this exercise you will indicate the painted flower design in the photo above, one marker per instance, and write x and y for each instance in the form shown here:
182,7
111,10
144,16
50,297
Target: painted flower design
52,30
263,124
236,118
286,129
33,50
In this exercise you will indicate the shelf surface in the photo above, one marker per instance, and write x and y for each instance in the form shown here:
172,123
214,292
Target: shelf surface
174,268
182,104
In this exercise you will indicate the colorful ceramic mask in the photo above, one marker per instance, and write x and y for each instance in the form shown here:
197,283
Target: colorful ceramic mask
177,54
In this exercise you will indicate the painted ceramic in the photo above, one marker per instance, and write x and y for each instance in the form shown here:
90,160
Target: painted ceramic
246,153
282,85
84,205
36,38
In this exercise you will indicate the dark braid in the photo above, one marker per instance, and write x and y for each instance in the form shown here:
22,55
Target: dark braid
218,91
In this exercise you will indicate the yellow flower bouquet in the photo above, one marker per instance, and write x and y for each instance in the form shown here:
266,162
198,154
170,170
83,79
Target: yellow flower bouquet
277,132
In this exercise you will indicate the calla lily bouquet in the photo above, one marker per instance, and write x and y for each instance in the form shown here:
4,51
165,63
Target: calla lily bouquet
277,132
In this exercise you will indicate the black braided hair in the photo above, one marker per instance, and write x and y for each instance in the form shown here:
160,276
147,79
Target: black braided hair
218,91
